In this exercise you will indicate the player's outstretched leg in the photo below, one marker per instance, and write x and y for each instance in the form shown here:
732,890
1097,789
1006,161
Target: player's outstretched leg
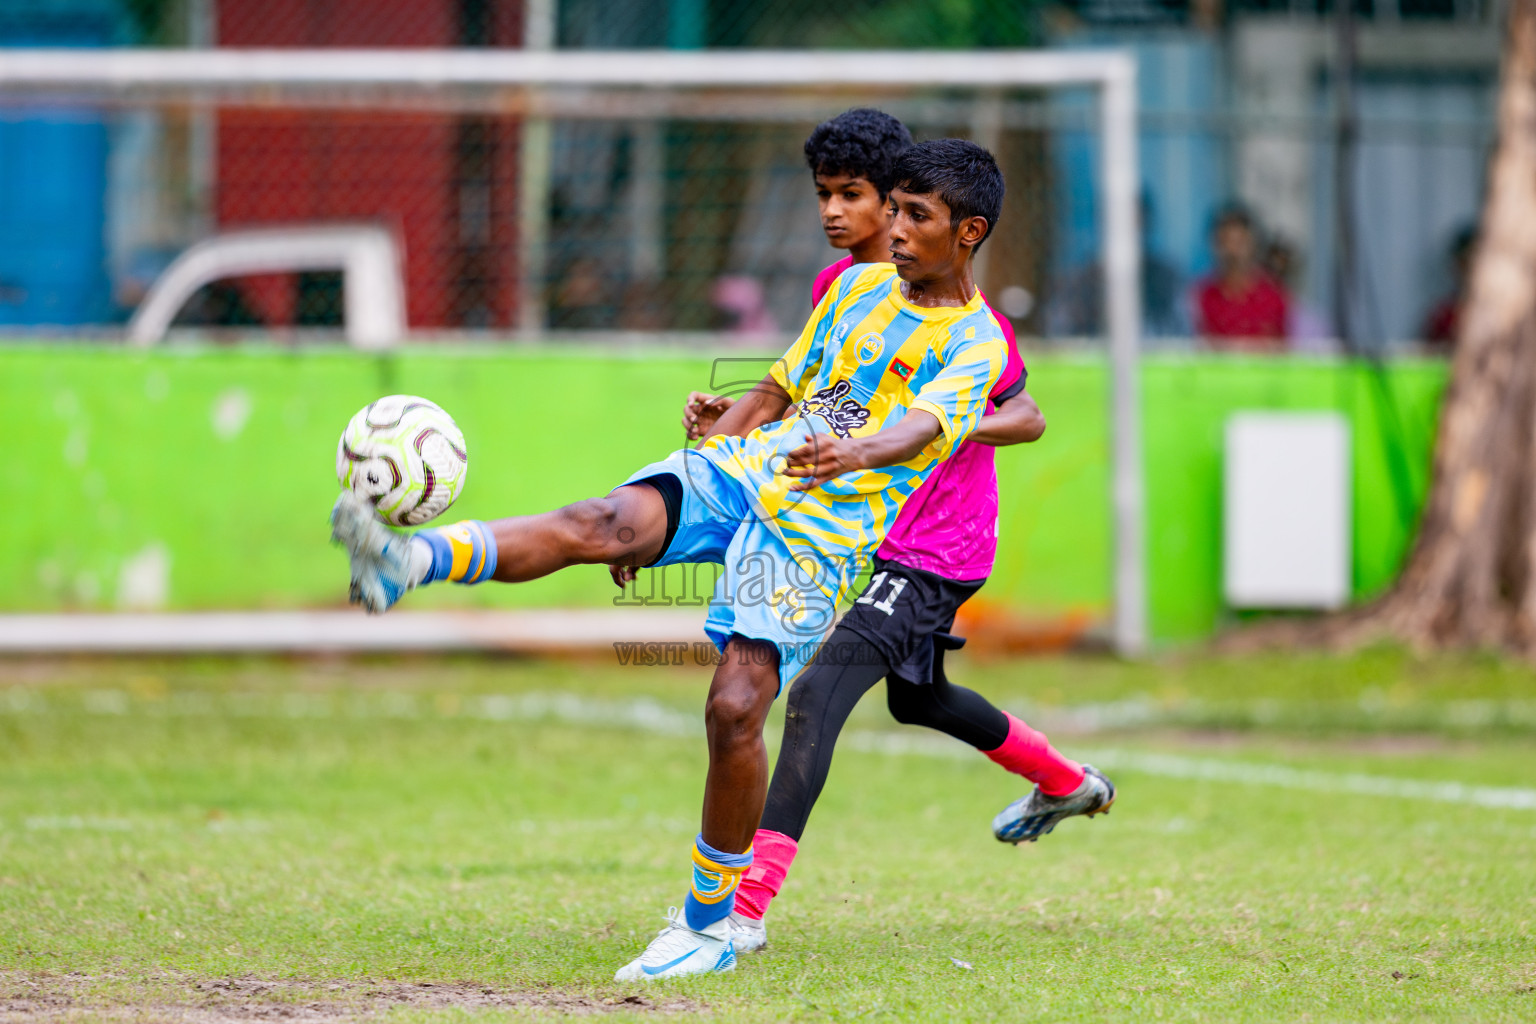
1063,788
697,940
627,526
383,568
1036,813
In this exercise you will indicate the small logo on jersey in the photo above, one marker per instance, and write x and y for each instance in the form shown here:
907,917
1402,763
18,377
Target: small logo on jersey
901,370
841,331
841,413
869,348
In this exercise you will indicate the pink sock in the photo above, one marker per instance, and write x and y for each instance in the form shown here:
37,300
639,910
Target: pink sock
1028,753
772,854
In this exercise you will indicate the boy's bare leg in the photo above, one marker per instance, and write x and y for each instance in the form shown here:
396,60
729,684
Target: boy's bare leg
697,939
627,528
740,695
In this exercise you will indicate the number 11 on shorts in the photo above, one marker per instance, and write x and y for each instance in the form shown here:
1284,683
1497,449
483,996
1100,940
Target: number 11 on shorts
898,584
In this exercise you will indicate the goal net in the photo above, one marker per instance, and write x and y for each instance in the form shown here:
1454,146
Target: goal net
562,195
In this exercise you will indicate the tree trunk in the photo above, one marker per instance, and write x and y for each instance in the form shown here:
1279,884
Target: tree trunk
1470,580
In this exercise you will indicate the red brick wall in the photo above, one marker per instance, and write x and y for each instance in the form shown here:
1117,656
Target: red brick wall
360,23
402,169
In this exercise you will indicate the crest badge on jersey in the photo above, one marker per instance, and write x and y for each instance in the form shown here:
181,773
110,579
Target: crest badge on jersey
869,348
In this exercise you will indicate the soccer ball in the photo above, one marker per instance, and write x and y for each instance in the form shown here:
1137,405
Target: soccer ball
406,456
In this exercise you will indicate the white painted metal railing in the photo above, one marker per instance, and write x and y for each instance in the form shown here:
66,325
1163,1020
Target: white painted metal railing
373,295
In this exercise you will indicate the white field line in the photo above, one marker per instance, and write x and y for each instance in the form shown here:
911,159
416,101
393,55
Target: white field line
650,716
244,824
531,630
1137,712
1208,769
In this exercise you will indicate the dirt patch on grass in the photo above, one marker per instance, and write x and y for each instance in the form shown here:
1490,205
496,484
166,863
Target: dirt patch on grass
77,997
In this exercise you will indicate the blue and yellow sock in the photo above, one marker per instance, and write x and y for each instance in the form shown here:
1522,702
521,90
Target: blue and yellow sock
462,553
715,878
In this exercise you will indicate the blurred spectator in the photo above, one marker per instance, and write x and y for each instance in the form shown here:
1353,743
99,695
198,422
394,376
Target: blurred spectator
1442,321
1164,312
1240,307
642,307
1307,327
1076,306
218,304
743,300
580,299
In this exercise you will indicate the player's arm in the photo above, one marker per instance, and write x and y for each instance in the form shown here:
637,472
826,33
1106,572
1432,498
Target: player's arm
944,413
765,403
707,415
1015,420
823,457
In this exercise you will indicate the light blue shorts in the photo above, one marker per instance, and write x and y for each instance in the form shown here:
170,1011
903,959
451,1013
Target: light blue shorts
766,592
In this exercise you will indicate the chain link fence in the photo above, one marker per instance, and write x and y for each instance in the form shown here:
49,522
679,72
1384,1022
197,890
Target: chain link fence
524,213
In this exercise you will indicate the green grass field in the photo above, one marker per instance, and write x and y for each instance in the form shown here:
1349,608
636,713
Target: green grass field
428,840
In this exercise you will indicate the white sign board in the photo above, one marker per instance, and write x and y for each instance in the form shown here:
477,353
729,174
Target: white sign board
1287,515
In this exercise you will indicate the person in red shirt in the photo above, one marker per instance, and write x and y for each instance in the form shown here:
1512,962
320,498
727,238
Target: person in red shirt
1240,307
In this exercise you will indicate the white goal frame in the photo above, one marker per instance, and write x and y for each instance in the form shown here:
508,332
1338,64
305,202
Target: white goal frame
1112,74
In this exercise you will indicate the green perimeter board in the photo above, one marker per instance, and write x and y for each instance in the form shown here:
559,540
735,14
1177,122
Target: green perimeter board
1186,404
218,465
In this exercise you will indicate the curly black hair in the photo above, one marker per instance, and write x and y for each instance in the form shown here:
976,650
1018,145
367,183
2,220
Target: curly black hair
963,174
861,143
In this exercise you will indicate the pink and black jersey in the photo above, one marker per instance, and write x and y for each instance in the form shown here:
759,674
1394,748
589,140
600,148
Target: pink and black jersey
949,525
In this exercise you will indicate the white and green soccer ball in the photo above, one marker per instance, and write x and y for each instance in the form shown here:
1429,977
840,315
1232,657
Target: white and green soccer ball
405,456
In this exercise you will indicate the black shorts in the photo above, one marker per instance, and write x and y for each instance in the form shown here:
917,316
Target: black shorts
904,612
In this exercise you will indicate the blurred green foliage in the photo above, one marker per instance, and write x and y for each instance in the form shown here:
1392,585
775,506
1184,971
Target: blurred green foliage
874,24
852,24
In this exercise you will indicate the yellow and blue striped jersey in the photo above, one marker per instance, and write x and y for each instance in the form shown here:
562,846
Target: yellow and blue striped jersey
866,356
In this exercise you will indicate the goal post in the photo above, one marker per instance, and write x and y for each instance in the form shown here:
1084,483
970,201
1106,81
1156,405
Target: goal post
536,84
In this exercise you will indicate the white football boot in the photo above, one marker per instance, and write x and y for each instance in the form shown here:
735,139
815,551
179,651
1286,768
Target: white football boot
385,564
747,935
678,950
